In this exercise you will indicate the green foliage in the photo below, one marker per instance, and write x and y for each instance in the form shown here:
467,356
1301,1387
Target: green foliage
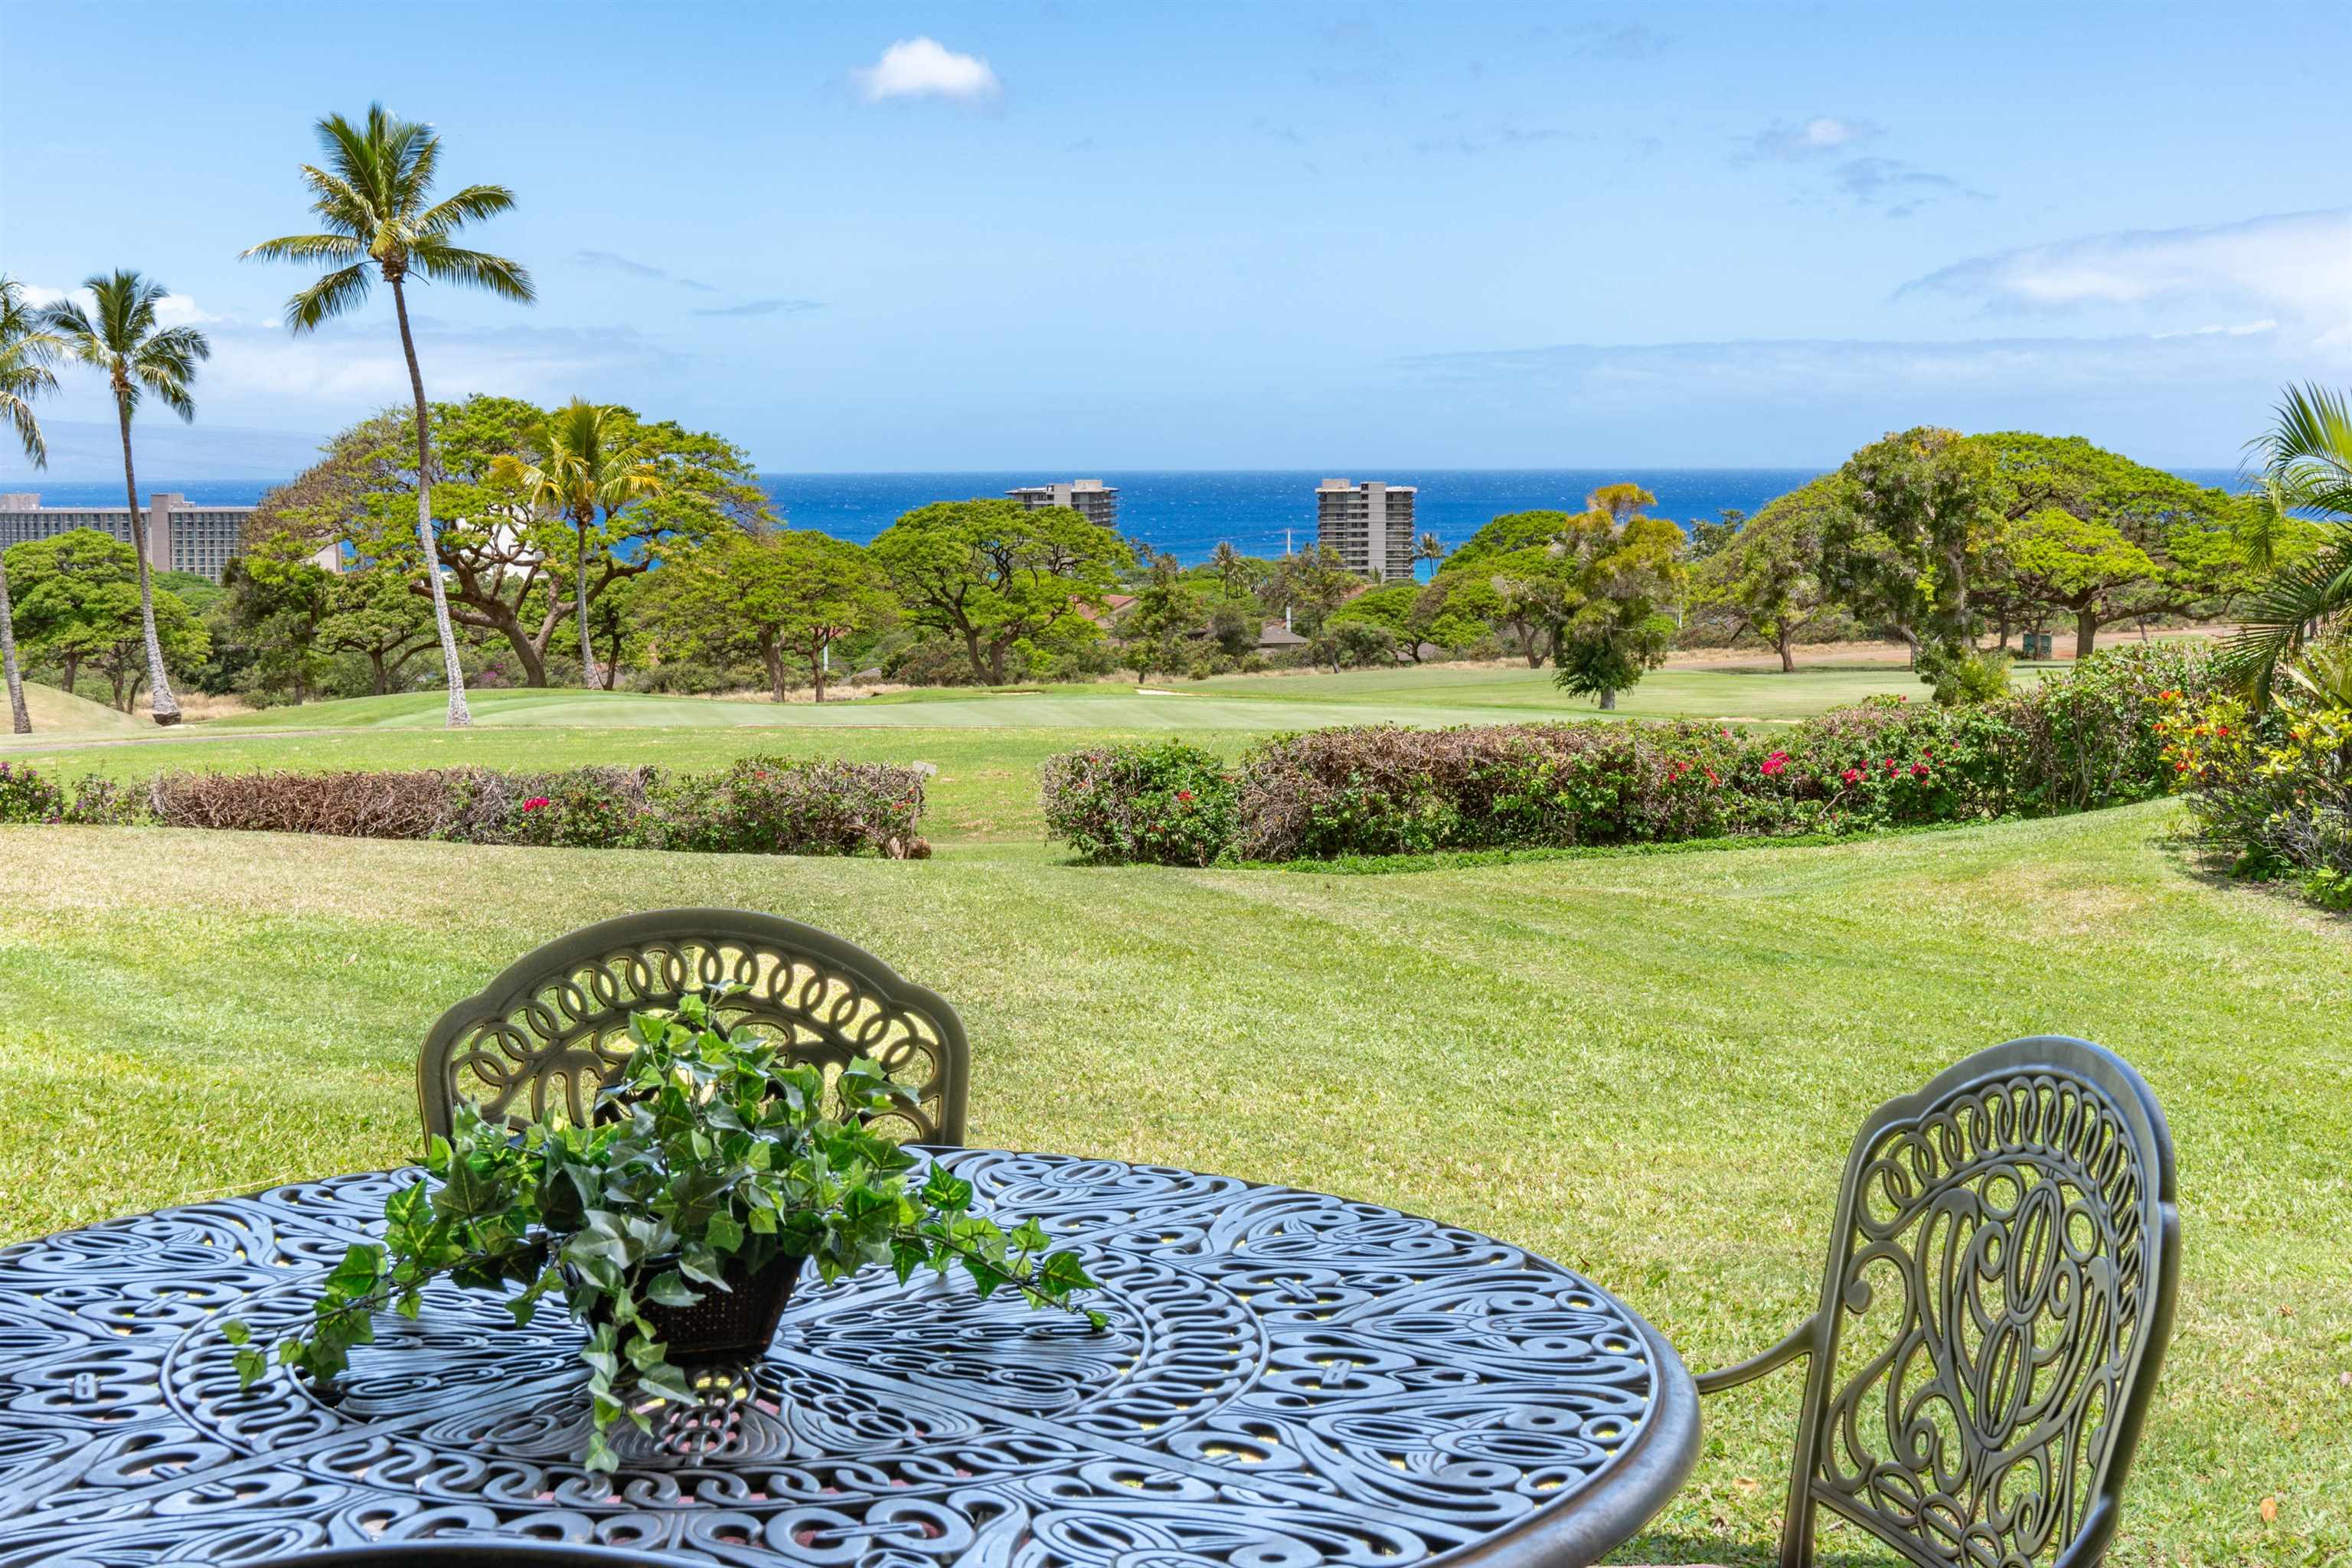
1765,575
1512,532
792,592
714,1157
1915,514
1311,584
75,598
2307,465
1963,677
1164,803
2084,738
999,579
2272,785
1620,569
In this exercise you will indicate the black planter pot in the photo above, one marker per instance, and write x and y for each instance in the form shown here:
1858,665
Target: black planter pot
737,1322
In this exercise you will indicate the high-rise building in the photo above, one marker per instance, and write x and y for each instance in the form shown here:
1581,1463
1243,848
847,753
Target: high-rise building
181,536
1090,499
1368,524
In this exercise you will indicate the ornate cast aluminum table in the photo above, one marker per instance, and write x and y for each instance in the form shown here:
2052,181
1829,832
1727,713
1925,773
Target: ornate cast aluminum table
1288,1380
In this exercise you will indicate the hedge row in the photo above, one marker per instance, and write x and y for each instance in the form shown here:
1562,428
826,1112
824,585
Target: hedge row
2082,738
758,806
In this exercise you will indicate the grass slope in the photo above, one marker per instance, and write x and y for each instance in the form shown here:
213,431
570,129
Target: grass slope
57,713
1648,1066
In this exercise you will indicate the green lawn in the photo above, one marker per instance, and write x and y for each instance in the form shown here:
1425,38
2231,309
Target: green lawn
1647,1067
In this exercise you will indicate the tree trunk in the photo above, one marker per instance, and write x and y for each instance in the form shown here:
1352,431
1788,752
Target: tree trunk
167,711
770,657
461,716
2086,633
816,666
588,677
996,663
20,717
972,650
1785,640
72,665
1607,700
383,682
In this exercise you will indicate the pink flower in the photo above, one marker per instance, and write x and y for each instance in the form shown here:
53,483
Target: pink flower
1851,776
1918,770
534,803
1774,763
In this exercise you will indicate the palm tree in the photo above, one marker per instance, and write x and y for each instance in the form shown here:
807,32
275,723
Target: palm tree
120,335
2305,462
1428,548
372,199
585,462
27,354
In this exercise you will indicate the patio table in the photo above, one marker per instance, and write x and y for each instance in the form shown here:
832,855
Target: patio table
1288,1379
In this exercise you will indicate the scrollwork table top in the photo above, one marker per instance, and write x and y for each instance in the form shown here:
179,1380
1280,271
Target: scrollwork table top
1288,1380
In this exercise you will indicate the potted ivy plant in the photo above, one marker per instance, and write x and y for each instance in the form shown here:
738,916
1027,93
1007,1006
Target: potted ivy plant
675,1225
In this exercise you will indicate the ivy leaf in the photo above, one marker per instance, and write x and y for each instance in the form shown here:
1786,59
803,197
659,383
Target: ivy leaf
669,1383
252,1365
236,1333
723,1233
669,1290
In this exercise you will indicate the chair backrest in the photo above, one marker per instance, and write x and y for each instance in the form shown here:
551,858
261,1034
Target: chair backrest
2000,1292
540,1039
516,1553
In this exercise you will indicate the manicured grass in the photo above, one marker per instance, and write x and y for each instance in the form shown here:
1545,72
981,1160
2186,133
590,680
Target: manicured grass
1645,1065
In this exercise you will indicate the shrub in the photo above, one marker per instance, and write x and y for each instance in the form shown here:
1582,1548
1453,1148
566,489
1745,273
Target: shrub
822,807
1165,803
758,806
2274,787
1383,790
29,795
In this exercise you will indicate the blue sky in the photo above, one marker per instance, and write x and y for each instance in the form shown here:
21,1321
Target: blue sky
1080,238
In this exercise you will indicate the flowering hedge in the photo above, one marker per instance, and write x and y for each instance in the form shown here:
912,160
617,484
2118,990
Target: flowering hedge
1166,804
758,806
2084,738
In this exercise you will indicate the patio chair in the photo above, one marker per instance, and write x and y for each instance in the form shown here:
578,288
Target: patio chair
2000,1292
540,1039
513,1553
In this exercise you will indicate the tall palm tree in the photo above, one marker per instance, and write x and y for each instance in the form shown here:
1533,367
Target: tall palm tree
1428,547
26,356
372,198
121,336
2306,465
583,462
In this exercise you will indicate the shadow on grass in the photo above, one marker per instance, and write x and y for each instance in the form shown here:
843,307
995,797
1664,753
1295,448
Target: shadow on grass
2214,867
1668,1547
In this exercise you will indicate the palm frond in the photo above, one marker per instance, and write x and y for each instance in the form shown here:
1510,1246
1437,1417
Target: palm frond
473,269
2308,451
27,426
2315,589
339,249
338,292
475,202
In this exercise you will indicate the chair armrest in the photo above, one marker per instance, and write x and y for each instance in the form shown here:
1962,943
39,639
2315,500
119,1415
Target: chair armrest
1798,1342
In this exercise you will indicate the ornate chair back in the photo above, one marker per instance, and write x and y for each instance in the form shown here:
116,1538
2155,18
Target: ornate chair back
540,1039
1999,1293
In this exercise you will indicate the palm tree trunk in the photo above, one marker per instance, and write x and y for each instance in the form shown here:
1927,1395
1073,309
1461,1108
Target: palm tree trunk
580,606
165,709
461,717
20,717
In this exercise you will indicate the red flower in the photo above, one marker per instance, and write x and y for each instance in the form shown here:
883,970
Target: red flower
1851,776
1711,778
1774,763
534,803
1918,770
1183,794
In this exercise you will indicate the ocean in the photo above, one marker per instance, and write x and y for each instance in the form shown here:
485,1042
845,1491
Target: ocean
1188,512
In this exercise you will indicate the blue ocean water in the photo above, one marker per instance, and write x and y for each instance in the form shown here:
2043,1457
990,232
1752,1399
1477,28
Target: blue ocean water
1188,512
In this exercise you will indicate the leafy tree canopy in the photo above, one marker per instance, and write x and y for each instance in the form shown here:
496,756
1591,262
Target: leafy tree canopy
999,578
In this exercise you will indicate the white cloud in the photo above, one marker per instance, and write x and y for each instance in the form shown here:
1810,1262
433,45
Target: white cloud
171,310
1822,134
924,67
2298,265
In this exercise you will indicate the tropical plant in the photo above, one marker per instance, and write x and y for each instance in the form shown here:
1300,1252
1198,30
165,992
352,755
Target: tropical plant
28,357
121,336
714,1159
795,593
373,199
583,461
1622,567
998,578
2306,463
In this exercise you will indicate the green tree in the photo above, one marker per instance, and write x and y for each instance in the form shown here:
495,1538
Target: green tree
582,463
2305,460
794,593
64,607
1513,531
2093,535
373,203
28,358
1309,585
1708,540
1765,575
278,598
121,337
1623,569
1915,515
373,613
1535,592
998,578
1167,614
1456,609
